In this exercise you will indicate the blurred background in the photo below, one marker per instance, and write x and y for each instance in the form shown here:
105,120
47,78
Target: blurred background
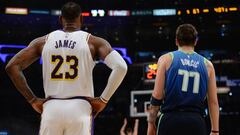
141,30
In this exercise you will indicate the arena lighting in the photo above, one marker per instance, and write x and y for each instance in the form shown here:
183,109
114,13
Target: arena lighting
85,14
56,12
223,90
19,11
119,13
4,133
196,11
94,13
164,12
205,10
233,9
220,9
179,12
39,12
142,13
98,12
3,55
101,12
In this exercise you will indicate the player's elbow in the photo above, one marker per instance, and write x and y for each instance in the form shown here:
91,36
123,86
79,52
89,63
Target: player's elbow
9,68
122,68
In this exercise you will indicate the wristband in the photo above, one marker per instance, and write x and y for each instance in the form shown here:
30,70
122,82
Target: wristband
103,100
214,131
155,102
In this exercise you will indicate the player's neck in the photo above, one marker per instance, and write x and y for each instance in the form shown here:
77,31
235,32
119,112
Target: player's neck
186,49
70,27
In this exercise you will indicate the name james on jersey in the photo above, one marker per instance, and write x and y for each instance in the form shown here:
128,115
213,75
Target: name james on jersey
65,44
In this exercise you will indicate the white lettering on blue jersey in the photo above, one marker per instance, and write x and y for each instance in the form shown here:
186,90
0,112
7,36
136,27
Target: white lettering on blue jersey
191,63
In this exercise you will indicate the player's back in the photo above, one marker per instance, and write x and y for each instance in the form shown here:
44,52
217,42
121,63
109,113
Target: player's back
186,83
67,65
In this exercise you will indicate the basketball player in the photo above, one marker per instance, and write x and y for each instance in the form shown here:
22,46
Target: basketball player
68,60
184,79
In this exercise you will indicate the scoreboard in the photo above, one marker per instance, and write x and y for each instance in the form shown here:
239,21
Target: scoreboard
150,71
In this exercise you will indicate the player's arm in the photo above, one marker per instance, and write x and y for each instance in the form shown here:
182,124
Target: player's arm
136,125
122,130
212,99
20,62
158,93
114,61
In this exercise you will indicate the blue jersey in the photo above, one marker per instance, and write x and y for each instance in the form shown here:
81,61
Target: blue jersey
186,83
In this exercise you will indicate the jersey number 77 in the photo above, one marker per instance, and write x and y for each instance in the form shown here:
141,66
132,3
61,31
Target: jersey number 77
186,75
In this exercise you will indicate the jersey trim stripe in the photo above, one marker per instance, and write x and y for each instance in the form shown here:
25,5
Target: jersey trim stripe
88,36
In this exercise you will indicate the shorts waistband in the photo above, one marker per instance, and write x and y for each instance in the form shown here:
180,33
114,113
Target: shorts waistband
190,110
68,98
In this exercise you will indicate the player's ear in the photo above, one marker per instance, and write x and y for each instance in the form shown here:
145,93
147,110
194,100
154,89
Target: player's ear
176,41
195,43
81,19
60,20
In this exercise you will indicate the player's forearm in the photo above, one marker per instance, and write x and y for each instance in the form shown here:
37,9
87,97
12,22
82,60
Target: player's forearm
135,131
119,70
214,115
122,129
17,77
114,81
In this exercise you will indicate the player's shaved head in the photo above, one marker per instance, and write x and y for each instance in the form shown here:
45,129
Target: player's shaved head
186,34
70,11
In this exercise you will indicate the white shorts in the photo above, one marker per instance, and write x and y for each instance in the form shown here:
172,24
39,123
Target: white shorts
67,117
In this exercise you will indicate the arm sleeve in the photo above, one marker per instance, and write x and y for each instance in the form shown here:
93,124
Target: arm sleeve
119,69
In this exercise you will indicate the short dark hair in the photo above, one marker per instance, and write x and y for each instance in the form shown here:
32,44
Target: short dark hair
71,11
186,34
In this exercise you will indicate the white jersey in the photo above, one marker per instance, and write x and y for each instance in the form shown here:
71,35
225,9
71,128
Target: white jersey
67,65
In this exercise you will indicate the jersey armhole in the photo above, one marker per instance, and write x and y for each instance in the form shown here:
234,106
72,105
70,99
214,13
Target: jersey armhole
172,57
46,38
205,62
88,36
206,65
89,51
44,46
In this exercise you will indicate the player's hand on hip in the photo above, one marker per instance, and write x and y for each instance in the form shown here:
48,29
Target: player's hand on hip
97,105
151,129
37,104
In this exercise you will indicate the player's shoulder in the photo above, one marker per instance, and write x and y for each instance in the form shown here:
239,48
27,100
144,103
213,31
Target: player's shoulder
209,66
167,57
208,63
39,40
95,40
